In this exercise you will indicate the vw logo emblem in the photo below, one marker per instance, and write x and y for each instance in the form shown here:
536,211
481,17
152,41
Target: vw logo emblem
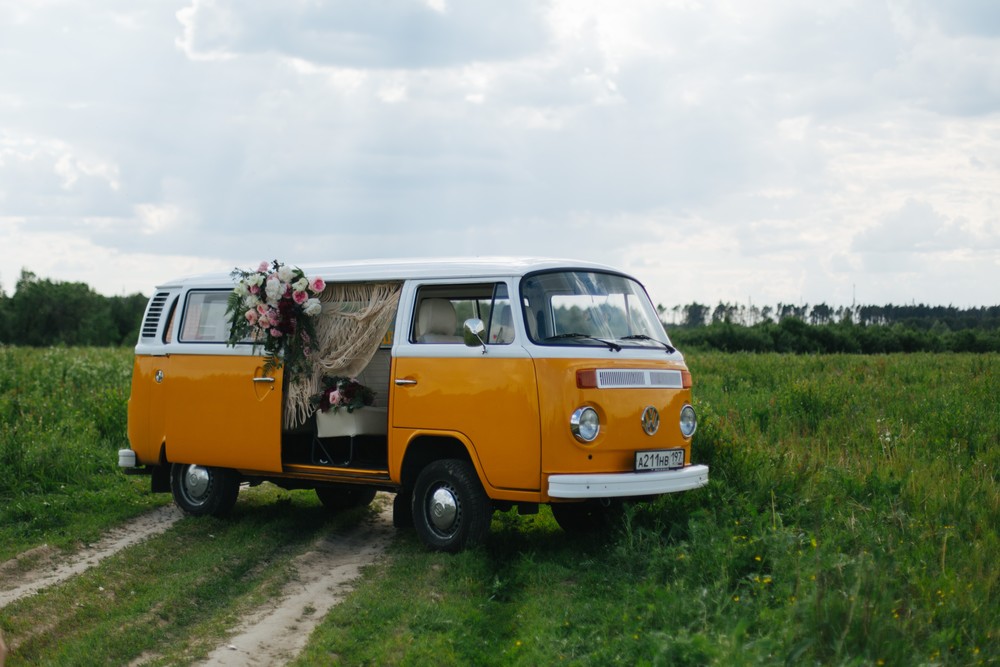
650,420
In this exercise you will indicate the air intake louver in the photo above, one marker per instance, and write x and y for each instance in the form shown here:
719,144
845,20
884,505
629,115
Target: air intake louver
608,378
153,315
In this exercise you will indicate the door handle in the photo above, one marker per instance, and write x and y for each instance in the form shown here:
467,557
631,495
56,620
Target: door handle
403,382
270,380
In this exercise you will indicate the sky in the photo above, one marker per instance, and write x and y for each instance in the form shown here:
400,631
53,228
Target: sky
758,153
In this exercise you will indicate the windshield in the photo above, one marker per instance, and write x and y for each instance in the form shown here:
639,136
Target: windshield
590,308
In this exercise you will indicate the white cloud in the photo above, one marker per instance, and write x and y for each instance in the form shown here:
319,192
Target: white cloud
779,151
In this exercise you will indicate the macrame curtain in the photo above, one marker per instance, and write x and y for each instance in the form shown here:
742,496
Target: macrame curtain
354,320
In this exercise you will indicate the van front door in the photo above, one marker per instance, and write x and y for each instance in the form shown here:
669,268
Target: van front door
442,387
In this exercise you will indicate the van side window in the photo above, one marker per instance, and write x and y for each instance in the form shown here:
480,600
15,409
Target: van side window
501,320
168,331
441,310
204,318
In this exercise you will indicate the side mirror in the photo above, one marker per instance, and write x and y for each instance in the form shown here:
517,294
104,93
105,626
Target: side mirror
474,333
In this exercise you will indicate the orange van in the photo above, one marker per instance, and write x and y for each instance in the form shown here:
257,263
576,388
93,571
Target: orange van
489,384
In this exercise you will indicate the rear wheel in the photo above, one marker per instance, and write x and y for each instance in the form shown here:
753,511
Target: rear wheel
451,510
346,497
202,490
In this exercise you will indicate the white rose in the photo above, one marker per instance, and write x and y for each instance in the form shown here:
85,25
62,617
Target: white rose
256,279
301,285
273,289
312,307
285,273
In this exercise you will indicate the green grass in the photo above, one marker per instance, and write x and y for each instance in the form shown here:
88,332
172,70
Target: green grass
63,414
851,519
171,598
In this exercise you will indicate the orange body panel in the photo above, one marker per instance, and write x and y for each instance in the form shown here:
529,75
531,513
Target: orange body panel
218,415
488,402
620,411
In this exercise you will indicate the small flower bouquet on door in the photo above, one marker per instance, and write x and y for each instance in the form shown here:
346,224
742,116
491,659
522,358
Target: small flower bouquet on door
345,408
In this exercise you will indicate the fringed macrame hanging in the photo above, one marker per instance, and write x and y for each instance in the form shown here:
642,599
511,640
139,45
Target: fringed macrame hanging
354,320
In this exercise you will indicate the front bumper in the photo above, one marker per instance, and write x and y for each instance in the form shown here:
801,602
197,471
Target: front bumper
624,484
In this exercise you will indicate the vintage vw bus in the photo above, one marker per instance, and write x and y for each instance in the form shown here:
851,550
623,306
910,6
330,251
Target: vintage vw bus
498,383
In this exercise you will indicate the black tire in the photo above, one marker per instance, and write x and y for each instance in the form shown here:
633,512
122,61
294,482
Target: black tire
346,497
587,517
451,511
202,490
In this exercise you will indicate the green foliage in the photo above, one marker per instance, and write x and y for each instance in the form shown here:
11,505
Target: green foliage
43,312
63,414
796,336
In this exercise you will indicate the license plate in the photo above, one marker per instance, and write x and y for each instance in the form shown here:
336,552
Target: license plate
659,459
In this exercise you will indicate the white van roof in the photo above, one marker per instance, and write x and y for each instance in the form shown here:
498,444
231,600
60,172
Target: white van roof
374,270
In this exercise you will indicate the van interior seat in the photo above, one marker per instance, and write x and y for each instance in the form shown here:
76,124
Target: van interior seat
503,327
436,322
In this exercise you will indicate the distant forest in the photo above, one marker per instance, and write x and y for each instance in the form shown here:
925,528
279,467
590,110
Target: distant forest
822,328
43,312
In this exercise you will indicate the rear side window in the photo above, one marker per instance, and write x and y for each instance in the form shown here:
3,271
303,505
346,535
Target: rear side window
205,317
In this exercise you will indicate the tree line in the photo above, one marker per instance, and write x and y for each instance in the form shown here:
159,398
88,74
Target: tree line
43,312
822,328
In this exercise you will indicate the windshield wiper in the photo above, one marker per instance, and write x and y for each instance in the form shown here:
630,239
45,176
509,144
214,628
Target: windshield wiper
669,348
577,336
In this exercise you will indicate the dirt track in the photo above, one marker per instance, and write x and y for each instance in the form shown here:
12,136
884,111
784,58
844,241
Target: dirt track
324,574
44,566
271,636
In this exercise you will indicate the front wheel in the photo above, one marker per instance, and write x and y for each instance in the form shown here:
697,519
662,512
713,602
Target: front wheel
451,510
201,490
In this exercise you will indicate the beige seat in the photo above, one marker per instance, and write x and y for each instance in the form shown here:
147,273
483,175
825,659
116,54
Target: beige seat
436,322
503,327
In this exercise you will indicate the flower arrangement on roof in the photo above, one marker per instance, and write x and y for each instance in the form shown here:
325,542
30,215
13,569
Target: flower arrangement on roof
273,307
342,392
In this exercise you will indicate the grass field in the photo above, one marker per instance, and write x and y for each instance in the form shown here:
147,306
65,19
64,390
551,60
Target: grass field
852,519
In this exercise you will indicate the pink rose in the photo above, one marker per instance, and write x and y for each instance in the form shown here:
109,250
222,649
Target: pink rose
276,333
254,289
317,285
251,316
263,267
300,297
334,397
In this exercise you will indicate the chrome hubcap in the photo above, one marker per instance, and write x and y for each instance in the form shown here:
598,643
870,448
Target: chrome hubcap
196,482
443,509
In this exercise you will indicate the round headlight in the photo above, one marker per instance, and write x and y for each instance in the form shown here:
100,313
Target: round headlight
585,424
689,421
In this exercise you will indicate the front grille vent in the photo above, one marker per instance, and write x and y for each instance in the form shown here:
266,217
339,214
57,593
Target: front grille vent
153,315
637,378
